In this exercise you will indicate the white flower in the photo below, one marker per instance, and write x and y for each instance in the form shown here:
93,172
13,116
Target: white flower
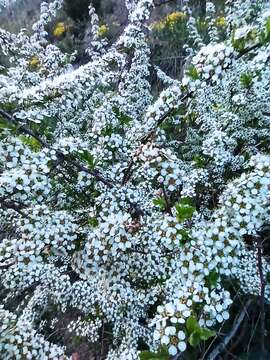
165,340
182,346
172,350
181,335
170,330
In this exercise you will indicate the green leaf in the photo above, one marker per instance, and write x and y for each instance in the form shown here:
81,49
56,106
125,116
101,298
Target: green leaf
199,161
194,339
93,222
77,340
212,279
192,72
185,236
6,125
192,324
147,355
160,202
31,142
107,131
238,44
122,117
87,157
246,80
161,355
184,209
205,333
267,28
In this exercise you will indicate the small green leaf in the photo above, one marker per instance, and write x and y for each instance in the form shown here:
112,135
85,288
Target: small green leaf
194,339
205,333
107,131
238,44
160,202
192,324
93,222
77,340
212,279
267,28
246,80
184,209
31,142
161,355
199,161
87,157
192,72
122,117
6,125
185,236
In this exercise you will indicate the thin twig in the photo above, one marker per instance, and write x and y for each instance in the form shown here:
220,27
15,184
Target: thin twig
11,205
262,290
253,333
219,331
168,206
102,341
222,346
8,263
24,129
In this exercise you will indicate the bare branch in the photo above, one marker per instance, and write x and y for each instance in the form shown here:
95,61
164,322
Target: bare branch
7,264
262,290
222,346
168,205
12,205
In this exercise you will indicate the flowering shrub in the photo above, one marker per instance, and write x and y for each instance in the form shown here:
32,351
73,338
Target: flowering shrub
131,210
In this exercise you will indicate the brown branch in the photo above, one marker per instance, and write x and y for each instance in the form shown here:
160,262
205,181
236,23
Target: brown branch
21,127
12,205
240,336
262,290
7,264
95,173
247,50
222,346
168,206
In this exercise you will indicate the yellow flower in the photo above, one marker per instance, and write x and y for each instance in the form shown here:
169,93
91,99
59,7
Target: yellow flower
158,25
170,21
34,62
102,30
175,17
60,29
221,21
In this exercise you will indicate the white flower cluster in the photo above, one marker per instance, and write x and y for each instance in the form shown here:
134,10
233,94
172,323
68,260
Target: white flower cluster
19,340
24,173
212,59
86,328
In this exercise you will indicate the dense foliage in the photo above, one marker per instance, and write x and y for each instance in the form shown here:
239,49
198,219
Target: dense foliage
128,210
